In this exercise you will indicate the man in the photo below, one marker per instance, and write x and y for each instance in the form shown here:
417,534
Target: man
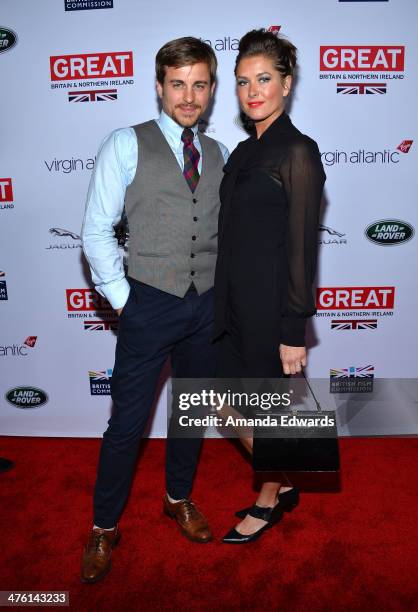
154,174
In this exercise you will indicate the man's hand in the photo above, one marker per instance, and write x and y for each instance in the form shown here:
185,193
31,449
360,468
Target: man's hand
293,358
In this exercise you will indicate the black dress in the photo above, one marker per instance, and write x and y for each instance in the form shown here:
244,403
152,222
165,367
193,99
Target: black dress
268,236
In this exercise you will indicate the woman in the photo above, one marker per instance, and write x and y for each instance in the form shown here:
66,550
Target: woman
268,229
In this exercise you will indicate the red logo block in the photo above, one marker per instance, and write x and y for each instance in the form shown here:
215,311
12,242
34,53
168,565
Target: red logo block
354,298
91,66
405,146
30,341
85,299
354,59
6,190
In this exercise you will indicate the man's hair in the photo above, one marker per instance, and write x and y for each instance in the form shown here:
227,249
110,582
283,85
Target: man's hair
185,52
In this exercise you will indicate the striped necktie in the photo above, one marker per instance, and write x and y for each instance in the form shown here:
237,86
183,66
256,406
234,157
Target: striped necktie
191,159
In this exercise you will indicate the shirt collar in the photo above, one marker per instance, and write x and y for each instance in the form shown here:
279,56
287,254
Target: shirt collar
172,130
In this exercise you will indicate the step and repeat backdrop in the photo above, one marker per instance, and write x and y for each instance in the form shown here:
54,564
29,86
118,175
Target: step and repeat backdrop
74,70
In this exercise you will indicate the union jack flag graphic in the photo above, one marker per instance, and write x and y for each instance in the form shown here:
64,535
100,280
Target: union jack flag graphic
111,325
30,341
361,88
353,372
93,95
102,375
354,324
405,146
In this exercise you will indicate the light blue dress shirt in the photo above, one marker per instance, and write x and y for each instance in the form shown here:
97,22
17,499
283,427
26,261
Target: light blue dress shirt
114,170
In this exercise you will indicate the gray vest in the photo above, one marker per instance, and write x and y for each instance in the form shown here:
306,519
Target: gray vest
172,231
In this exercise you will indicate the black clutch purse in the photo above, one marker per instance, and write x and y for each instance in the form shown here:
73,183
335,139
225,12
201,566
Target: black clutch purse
309,446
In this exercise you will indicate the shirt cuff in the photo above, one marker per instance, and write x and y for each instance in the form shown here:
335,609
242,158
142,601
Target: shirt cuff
116,292
292,331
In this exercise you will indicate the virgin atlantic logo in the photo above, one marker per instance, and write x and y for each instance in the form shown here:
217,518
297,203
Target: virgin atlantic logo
405,146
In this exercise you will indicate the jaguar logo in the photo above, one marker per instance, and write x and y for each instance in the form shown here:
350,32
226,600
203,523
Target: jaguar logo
58,231
63,245
332,232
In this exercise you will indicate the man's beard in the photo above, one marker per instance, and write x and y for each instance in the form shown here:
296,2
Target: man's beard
186,121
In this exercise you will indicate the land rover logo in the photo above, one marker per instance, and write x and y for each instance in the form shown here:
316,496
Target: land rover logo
389,232
26,397
8,39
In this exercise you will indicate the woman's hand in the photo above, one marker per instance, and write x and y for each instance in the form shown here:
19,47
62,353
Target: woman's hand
293,358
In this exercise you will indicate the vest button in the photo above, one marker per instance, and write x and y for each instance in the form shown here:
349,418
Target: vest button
192,255
192,273
194,200
193,237
195,219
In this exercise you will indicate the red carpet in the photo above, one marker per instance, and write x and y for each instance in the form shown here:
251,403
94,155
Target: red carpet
353,549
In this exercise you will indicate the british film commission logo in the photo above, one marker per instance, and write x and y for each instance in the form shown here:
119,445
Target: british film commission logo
389,232
352,379
87,5
355,308
8,39
362,70
65,239
26,397
329,235
3,286
6,194
89,305
92,77
100,382
361,157
20,349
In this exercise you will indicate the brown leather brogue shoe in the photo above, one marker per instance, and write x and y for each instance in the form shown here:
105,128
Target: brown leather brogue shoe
96,555
192,523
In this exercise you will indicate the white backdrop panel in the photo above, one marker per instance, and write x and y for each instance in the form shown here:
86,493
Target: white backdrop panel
48,148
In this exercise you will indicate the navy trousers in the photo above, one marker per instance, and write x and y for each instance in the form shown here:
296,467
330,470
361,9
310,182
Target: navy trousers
153,326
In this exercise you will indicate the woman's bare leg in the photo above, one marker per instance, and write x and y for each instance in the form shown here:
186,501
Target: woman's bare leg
269,491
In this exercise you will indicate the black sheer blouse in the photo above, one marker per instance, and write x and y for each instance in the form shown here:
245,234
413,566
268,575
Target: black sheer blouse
268,233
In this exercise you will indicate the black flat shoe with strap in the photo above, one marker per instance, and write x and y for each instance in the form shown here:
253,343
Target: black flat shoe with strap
271,515
287,500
